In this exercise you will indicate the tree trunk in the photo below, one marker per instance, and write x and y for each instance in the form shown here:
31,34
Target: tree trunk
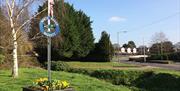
15,59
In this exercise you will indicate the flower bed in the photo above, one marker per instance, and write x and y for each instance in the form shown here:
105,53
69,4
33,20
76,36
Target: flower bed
43,84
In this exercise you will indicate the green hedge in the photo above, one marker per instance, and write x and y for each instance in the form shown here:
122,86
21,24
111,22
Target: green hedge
172,56
136,80
58,66
117,77
175,56
158,57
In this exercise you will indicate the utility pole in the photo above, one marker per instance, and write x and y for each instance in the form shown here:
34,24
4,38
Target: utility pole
118,47
161,44
144,51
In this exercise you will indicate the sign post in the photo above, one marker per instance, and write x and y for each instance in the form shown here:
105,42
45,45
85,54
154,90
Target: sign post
46,29
49,43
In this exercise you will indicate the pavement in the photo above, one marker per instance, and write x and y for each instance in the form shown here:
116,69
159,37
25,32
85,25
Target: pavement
174,66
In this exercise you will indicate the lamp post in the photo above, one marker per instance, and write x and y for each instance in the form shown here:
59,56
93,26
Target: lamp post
119,42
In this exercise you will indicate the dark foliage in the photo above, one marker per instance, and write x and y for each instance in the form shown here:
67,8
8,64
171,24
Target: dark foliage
103,51
59,66
75,40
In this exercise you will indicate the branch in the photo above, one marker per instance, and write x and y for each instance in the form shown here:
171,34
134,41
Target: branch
13,4
8,8
37,37
30,20
22,9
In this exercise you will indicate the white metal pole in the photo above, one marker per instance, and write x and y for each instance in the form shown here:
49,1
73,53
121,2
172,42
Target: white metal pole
49,45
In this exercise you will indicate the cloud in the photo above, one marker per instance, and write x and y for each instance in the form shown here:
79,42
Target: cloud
117,19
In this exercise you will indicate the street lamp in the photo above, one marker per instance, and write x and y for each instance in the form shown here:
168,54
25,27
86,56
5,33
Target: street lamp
118,41
118,36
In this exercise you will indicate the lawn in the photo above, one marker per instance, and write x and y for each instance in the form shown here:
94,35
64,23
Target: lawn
78,81
101,65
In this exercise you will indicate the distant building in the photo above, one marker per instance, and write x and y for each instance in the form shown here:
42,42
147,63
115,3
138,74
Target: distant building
129,50
134,50
123,50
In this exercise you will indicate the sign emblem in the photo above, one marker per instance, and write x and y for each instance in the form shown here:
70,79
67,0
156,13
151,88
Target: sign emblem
54,27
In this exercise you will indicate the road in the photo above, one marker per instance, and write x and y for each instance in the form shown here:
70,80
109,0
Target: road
174,66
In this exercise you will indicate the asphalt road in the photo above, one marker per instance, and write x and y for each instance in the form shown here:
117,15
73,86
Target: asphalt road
174,66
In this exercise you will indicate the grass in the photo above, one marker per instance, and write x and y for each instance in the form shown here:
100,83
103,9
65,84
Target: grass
101,65
78,81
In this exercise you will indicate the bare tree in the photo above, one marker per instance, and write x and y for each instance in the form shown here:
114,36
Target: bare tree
15,9
159,38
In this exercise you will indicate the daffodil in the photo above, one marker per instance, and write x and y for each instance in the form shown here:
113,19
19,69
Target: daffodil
55,84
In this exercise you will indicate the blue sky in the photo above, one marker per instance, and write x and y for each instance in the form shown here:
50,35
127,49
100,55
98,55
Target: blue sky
140,18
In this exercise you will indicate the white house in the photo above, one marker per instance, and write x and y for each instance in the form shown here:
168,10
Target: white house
129,50
134,50
123,50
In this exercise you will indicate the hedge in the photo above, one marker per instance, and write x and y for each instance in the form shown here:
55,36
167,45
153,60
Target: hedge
136,80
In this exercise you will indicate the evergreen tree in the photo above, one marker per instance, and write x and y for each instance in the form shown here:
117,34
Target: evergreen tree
131,44
104,49
75,39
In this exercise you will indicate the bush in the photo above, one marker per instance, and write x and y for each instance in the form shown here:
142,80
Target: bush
158,57
80,71
175,56
158,82
117,77
172,56
59,66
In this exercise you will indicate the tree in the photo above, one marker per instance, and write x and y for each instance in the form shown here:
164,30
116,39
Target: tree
141,49
104,49
159,37
75,39
158,40
167,48
177,47
125,45
131,44
16,9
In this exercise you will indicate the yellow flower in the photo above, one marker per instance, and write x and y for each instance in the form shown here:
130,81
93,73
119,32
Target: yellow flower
65,84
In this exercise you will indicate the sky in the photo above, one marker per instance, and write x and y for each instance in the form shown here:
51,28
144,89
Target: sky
140,18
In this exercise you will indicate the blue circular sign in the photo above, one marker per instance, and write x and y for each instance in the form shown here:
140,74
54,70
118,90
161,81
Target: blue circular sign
54,26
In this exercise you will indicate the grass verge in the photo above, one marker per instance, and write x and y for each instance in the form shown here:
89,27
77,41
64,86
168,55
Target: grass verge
78,81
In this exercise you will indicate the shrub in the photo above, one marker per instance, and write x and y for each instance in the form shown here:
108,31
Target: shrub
59,66
158,82
117,77
172,56
81,71
175,56
158,57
